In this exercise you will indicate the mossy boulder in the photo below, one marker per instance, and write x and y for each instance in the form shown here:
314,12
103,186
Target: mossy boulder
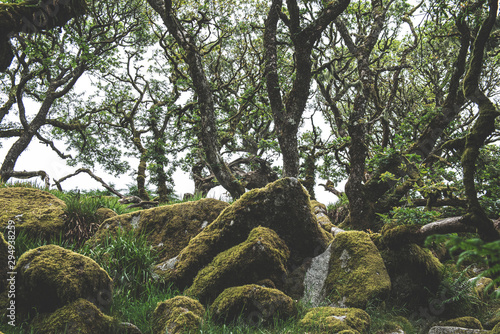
415,275
168,228
50,277
82,317
36,212
104,213
484,287
282,206
255,304
464,322
336,320
178,315
262,256
357,273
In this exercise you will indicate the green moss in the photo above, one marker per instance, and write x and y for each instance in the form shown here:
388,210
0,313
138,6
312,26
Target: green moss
36,212
168,228
357,272
262,256
400,236
282,206
104,213
335,320
4,264
496,329
464,322
254,303
50,277
81,316
415,274
177,315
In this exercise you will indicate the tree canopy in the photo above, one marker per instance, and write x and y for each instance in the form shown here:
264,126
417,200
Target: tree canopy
398,98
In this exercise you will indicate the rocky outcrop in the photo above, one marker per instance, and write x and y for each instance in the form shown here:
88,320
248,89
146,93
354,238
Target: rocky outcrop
178,315
336,320
36,212
282,206
82,317
168,228
254,303
263,256
357,273
50,277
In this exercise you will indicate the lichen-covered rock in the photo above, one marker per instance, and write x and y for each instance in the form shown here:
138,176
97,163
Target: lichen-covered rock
178,315
336,320
104,213
314,279
80,317
357,273
415,275
36,212
168,228
50,277
254,303
262,256
465,322
455,330
282,206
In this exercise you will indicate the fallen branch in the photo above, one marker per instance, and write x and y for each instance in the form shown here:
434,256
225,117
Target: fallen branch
95,177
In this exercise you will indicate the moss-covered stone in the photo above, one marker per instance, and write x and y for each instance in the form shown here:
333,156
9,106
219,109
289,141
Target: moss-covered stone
282,206
168,228
321,213
36,212
484,287
104,213
357,273
415,275
178,315
50,277
82,317
262,256
336,320
254,303
496,329
464,322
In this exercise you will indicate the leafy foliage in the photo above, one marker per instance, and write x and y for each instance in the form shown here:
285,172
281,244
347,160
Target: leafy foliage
474,250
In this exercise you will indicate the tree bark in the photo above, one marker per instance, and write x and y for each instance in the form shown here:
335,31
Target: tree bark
208,133
481,130
287,116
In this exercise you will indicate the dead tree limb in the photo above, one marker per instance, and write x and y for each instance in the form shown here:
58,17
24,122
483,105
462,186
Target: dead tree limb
89,172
